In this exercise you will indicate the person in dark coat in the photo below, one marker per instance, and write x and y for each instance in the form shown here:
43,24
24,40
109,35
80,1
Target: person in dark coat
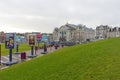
45,47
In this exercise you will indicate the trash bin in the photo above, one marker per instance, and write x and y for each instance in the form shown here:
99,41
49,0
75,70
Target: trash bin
62,45
23,56
56,47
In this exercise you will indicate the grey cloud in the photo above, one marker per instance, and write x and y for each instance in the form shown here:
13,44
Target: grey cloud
44,15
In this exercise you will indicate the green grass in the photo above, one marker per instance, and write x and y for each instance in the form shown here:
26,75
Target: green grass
93,61
22,48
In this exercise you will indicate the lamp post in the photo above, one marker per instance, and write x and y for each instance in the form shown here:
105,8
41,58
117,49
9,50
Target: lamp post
16,47
32,50
10,55
0,53
79,36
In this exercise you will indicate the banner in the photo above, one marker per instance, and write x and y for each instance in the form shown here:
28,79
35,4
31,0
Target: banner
18,39
45,38
9,40
38,36
32,39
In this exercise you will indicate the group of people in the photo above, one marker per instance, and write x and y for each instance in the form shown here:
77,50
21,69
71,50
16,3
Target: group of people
51,45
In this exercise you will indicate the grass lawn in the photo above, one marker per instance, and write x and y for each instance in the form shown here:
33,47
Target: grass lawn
22,47
93,61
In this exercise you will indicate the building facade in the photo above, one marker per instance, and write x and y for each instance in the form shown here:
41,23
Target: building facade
105,31
2,37
73,33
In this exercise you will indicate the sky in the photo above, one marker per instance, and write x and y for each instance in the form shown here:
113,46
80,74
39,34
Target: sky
44,15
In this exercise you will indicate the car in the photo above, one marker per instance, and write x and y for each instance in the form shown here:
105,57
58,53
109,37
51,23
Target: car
78,42
69,43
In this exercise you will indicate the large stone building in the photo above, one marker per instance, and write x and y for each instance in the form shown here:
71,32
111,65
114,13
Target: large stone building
73,33
101,31
105,31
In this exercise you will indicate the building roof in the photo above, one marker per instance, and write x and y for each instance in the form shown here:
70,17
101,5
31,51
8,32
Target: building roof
69,26
56,29
102,26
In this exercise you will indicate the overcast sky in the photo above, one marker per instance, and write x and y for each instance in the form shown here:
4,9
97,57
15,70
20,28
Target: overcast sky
45,15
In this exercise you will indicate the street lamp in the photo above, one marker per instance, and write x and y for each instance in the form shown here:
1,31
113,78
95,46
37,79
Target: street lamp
0,53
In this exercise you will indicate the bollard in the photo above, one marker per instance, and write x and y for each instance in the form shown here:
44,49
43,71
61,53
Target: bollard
50,47
56,47
62,45
23,56
45,48
36,48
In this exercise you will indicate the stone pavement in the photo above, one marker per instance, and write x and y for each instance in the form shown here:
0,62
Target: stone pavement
18,56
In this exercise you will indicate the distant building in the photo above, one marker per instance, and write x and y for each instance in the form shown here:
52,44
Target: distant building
50,37
105,31
84,34
55,34
101,31
73,33
2,36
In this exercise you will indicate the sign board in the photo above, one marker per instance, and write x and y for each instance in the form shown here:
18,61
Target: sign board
45,38
18,39
10,40
38,36
32,39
